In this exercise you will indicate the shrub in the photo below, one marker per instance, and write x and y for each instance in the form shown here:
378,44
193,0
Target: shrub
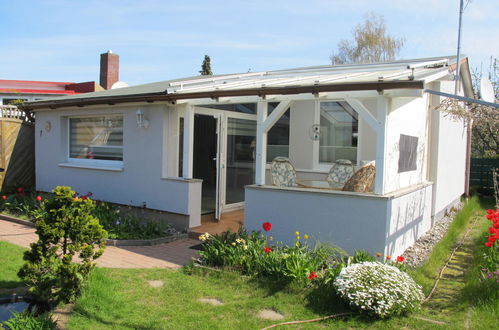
28,321
127,226
378,289
66,231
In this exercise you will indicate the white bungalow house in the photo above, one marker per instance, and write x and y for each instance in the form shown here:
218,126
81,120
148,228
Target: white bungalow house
204,144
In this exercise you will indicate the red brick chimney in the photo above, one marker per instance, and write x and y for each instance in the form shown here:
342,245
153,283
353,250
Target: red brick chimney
109,69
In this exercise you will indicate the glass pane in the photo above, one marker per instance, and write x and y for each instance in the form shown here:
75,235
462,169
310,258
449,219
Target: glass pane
339,125
241,145
278,138
96,138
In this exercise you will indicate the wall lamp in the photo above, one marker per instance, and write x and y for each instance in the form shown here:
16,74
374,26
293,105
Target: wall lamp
142,121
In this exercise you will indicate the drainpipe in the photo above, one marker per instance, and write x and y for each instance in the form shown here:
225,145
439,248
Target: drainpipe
458,59
468,159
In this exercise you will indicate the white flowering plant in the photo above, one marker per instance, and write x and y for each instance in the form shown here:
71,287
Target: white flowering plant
378,289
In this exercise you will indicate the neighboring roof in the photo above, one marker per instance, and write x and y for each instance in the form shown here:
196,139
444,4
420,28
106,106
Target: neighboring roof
377,76
35,91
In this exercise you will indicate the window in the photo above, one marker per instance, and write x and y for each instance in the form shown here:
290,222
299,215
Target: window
96,138
339,125
278,135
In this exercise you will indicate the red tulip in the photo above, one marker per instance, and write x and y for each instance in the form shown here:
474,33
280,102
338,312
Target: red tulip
4,197
83,197
312,276
267,250
400,259
39,198
267,226
488,244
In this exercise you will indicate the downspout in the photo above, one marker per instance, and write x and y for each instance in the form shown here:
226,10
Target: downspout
458,57
468,159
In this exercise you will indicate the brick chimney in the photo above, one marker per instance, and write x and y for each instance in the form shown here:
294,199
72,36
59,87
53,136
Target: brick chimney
109,69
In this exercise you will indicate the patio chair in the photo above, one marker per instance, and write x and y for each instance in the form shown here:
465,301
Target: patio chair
340,172
283,173
362,180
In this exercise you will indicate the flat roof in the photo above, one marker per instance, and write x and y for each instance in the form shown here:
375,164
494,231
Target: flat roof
410,74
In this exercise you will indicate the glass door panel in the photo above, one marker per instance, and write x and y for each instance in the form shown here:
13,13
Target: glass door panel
240,158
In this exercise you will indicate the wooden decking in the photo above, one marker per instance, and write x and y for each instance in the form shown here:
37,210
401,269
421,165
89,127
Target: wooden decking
229,221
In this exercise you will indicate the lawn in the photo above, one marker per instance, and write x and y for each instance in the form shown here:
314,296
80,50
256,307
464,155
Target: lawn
10,261
123,298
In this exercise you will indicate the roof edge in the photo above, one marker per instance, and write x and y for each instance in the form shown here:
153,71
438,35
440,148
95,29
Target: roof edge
262,91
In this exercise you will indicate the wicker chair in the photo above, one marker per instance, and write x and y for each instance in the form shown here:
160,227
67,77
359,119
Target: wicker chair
340,172
283,173
362,180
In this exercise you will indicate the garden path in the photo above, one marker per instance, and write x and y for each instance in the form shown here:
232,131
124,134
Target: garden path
169,255
447,298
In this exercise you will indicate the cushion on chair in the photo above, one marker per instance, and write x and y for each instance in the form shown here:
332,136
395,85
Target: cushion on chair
283,172
339,173
362,180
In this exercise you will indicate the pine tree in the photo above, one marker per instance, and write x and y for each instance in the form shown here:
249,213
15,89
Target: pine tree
206,67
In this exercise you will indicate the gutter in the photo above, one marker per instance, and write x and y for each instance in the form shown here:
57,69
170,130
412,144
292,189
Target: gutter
261,92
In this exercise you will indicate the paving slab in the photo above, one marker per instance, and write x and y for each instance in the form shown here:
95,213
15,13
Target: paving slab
170,255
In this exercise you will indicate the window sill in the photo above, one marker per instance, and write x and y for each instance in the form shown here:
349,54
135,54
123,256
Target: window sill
116,168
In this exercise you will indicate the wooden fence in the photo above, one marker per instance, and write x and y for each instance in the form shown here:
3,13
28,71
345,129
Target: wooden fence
481,173
17,148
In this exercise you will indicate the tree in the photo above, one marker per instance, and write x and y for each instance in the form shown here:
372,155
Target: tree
206,67
67,232
371,43
485,137
484,120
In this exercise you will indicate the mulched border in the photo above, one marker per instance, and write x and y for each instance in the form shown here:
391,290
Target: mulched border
112,242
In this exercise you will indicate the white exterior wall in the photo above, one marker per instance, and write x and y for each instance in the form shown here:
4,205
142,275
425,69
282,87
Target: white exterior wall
303,151
407,116
447,154
408,219
347,221
140,182
387,224
367,136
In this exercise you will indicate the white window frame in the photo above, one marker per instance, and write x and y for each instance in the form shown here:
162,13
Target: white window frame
325,167
92,163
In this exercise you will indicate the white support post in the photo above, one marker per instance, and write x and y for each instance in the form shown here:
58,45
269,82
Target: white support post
381,132
188,141
261,142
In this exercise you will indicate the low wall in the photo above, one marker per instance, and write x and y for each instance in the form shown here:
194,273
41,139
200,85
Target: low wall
353,221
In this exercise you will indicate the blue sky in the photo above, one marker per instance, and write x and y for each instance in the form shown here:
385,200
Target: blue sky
159,40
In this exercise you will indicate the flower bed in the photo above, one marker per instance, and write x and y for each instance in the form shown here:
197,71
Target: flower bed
323,266
27,205
490,265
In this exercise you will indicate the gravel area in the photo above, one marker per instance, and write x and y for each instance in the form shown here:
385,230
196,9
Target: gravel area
417,254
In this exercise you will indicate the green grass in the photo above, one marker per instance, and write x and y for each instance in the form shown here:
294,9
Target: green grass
427,273
481,296
10,261
122,298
